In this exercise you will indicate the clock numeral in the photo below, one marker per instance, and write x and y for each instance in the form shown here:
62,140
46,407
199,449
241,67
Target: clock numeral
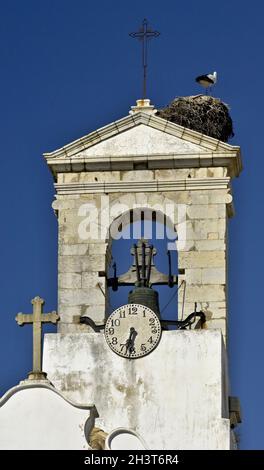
144,313
154,330
122,314
152,321
132,311
150,340
127,350
115,322
111,331
114,341
143,347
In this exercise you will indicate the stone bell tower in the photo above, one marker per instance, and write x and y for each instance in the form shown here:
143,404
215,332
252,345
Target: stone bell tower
142,161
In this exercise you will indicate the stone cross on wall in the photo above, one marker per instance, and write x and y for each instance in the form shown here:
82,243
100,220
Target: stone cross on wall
37,318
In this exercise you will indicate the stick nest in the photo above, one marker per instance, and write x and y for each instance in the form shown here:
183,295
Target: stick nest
200,113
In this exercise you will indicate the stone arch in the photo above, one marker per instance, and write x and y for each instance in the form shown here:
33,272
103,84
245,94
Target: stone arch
130,211
133,207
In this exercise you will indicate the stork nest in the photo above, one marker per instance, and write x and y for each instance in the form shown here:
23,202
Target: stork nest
200,113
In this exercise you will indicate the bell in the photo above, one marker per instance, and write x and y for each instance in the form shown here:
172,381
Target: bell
145,296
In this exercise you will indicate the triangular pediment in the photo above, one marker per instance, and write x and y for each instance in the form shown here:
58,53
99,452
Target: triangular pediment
139,140
140,135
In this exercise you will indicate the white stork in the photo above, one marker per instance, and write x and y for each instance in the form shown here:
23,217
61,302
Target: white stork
207,80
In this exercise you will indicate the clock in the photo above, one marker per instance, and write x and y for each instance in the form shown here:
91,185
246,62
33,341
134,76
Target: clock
133,331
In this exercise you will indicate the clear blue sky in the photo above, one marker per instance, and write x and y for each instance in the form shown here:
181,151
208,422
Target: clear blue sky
67,68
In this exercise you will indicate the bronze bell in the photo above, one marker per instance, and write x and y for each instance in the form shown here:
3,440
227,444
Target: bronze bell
145,296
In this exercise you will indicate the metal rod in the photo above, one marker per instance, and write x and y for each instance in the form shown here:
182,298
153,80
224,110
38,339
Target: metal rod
187,322
145,59
143,264
161,283
149,264
115,279
170,278
137,265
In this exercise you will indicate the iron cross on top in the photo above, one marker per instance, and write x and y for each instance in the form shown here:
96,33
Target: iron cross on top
37,318
144,34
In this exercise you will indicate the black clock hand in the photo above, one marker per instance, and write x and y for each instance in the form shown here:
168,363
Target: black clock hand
129,344
131,340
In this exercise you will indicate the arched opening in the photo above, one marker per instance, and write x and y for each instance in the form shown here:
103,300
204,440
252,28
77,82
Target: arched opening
153,229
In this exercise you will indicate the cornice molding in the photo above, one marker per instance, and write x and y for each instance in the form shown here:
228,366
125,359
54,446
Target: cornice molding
77,164
142,186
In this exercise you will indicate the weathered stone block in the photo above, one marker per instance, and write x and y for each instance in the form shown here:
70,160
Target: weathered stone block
200,172
205,293
80,296
96,312
141,198
127,200
213,236
185,245
143,175
63,204
68,327
207,211
76,249
178,197
70,177
93,262
183,173
156,199
219,324
98,248
68,312
70,281
214,276
201,228
204,259
211,309
90,279
193,276
199,197
70,264
216,172
165,175
210,245
220,196
99,176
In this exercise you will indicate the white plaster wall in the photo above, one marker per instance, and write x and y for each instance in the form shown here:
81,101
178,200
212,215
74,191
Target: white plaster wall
175,398
35,417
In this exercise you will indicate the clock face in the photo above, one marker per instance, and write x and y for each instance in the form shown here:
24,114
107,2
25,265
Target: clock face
132,331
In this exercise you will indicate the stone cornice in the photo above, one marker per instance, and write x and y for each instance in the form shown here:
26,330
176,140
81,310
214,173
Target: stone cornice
77,164
140,186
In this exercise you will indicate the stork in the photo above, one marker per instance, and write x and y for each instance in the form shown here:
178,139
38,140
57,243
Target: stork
207,81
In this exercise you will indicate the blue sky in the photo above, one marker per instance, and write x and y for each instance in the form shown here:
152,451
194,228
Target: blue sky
68,68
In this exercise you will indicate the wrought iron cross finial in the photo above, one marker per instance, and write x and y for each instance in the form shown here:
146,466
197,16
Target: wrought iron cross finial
144,34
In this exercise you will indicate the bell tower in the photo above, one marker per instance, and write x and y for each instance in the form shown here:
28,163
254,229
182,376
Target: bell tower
145,163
